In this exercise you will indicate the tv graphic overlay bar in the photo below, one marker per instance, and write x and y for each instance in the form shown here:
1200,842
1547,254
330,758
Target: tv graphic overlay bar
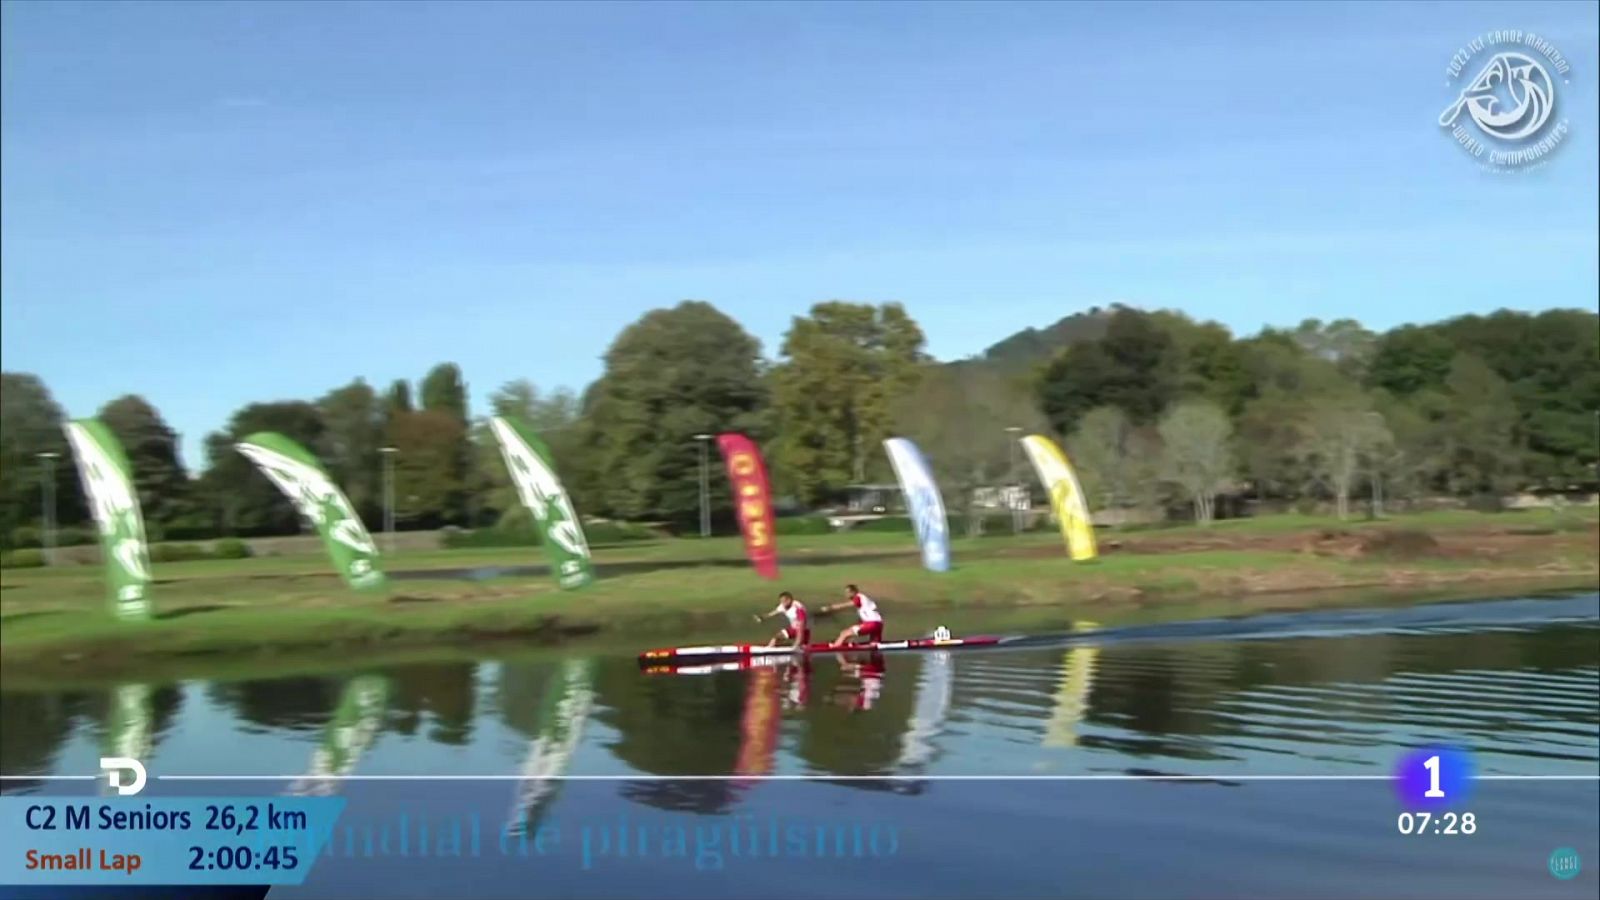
136,840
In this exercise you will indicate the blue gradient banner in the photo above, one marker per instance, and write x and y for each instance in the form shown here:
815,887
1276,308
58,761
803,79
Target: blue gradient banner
163,840
923,502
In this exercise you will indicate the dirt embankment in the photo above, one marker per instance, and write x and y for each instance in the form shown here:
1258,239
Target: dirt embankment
1364,543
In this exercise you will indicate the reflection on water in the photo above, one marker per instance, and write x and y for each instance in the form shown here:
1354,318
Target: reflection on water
557,731
1520,692
1072,698
351,731
1517,682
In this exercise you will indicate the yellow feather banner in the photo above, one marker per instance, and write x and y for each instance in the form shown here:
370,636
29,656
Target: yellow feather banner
1066,497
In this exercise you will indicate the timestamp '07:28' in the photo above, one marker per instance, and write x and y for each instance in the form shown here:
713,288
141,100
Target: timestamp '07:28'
1446,823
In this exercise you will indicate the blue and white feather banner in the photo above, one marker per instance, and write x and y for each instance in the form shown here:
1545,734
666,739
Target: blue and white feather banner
922,502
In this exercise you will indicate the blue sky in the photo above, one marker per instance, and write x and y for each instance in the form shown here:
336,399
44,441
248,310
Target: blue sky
210,204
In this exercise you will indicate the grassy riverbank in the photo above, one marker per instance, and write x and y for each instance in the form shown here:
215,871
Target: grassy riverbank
686,589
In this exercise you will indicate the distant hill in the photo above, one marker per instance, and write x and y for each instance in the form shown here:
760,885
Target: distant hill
1032,346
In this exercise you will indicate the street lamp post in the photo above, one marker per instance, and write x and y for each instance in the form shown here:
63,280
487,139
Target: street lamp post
388,496
1016,514
1376,469
705,484
48,501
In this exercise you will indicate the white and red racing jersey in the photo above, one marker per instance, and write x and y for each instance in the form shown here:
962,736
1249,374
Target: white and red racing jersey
866,609
796,614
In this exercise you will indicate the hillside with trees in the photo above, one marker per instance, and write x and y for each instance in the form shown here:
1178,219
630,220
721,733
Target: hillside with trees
1157,410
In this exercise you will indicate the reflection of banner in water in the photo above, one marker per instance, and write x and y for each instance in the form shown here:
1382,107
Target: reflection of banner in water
933,703
758,727
128,725
562,714
350,732
1072,697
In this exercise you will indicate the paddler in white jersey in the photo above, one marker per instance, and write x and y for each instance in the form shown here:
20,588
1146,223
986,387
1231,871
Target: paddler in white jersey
871,624
799,627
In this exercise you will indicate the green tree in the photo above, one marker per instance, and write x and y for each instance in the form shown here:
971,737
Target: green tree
354,421
152,449
1343,342
429,483
843,367
1339,437
958,416
397,399
1031,347
1135,367
1211,364
30,424
443,390
1410,358
1477,432
1286,385
240,498
1551,363
1197,455
1407,466
671,375
1117,463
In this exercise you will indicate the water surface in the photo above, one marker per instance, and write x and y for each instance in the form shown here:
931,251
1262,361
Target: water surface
1338,693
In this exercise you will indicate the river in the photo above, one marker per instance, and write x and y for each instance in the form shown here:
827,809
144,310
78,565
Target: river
1234,757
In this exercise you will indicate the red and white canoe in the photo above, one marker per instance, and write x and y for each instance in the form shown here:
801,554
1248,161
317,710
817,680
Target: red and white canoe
758,651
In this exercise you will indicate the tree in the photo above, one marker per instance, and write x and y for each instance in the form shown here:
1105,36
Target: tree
1033,346
1407,464
354,423
1410,358
1478,429
844,365
1211,364
429,484
1269,438
444,391
1338,440
30,424
671,375
241,499
1342,342
1136,367
546,413
1195,437
152,449
958,416
397,399
1286,384
1116,461
1551,363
